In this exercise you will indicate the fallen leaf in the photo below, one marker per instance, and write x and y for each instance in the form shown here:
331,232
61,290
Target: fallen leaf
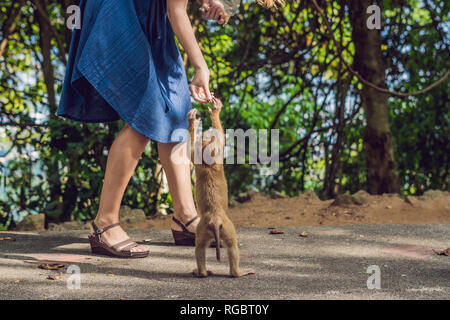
7,238
122,298
445,252
55,276
16,281
111,275
304,234
146,240
48,266
388,207
276,231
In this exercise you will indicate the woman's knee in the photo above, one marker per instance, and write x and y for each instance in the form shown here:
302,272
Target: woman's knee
138,136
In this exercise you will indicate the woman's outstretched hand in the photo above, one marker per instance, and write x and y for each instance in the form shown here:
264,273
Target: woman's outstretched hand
214,10
199,86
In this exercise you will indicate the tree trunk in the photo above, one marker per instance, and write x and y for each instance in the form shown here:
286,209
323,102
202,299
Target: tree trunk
378,140
53,175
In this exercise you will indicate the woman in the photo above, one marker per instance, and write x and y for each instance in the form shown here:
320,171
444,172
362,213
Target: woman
124,63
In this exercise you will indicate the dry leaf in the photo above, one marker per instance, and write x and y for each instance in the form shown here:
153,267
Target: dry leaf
111,275
55,276
7,238
303,234
122,298
16,281
445,252
48,266
276,231
388,207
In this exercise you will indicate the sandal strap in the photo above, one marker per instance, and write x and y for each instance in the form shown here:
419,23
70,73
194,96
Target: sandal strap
98,231
184,226
129,247
123,244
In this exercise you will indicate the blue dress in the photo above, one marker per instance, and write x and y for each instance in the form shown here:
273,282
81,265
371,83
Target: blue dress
124,63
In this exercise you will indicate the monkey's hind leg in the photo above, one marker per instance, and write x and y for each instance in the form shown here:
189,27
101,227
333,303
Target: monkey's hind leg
233,257
202,242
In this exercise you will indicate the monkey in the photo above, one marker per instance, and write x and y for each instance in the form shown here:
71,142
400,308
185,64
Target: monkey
211,194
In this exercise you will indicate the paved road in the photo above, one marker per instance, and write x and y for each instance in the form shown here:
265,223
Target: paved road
330,263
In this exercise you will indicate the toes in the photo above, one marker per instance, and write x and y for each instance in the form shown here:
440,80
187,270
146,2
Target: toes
138,249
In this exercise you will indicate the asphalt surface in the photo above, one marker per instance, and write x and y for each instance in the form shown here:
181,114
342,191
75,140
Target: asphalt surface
330,263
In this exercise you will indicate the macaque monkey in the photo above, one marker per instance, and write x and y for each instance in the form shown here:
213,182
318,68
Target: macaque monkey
211,194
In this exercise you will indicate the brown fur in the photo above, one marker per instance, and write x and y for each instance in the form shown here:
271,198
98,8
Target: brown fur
211,197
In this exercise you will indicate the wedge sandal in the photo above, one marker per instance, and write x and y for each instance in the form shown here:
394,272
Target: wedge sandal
185,237
100,247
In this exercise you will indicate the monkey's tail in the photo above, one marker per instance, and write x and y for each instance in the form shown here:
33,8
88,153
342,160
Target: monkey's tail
215,226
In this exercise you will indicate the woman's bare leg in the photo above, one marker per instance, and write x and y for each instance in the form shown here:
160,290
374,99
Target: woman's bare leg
179,179
122,161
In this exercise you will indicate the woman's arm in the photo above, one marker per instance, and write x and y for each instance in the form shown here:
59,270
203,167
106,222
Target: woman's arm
181,25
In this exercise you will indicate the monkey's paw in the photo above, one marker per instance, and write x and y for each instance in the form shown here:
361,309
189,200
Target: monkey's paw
202,275
243,272
192,118
217,106
192,114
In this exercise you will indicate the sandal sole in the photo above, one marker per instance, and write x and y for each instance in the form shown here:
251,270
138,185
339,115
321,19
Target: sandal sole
98,248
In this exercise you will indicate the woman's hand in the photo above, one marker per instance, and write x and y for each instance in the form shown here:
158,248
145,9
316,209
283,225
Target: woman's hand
199,86
214,10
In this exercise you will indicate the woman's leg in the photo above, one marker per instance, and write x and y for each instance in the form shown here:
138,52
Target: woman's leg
179,179
122,161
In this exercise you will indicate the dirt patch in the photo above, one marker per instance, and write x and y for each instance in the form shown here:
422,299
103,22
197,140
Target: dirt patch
259,210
